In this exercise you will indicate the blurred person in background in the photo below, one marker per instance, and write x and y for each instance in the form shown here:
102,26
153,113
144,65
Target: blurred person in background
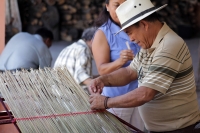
25,51
78,59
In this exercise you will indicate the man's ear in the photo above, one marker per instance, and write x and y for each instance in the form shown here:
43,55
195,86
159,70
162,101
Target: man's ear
107,7
48,42
45,40
144,24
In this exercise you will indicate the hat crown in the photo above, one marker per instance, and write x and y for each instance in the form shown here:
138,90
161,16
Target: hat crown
132,11
131,8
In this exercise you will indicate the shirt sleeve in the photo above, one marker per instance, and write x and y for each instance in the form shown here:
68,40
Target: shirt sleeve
46,59
82,68
62,58
134,65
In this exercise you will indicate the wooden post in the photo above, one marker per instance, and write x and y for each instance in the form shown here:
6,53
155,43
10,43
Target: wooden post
2,25
7,128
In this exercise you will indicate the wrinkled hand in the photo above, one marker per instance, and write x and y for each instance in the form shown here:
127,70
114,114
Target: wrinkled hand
96,86
97,101
126,55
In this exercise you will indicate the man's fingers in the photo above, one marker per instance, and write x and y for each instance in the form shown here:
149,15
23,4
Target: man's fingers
92,108
99,91
93,89
91,99
98,88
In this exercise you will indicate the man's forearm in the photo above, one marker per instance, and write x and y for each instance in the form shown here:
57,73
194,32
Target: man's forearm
134,98
87,81
120,77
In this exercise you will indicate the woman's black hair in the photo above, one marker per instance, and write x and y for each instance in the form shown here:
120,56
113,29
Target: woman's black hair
103,16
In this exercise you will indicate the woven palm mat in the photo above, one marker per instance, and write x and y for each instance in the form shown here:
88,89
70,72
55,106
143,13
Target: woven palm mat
50,101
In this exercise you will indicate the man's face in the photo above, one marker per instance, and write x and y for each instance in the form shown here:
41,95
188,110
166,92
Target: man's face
140,34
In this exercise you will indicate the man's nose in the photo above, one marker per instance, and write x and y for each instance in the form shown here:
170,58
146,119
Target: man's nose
132,39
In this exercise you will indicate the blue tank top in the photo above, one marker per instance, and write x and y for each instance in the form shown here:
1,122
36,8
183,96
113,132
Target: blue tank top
117,43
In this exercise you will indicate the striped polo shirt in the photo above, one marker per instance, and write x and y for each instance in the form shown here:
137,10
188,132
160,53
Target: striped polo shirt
167,68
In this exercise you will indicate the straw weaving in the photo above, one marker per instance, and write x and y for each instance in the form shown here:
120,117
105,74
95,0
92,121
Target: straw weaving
50,101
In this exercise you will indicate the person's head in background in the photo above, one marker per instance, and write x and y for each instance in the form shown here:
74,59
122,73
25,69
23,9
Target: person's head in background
109,12
87,36
47,36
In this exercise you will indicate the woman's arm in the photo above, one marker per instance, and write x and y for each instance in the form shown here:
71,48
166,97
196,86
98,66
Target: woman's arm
101,53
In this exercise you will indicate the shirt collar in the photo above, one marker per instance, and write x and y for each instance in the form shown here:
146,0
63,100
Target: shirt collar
81,41
114,28
163,31
38,37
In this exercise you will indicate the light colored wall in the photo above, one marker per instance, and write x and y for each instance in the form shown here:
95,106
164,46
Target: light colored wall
2,25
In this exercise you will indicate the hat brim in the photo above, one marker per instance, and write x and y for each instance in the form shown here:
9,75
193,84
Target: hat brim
140,18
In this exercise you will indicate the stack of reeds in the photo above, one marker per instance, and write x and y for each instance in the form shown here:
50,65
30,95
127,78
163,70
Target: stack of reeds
50,101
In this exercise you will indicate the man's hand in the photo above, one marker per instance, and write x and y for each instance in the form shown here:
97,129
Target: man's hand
96,86
97,101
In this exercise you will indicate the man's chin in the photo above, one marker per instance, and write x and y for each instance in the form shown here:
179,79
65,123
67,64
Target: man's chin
139,44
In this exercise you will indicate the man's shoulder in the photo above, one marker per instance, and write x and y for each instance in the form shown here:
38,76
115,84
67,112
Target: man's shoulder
172,38
73,48
77,46
172,43
23,34
20,39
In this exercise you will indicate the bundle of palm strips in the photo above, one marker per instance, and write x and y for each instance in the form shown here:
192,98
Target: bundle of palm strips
50,101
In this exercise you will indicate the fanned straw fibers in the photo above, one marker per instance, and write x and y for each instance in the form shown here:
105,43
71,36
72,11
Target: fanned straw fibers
50,101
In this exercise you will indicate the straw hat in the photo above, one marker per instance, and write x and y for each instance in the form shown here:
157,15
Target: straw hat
132,11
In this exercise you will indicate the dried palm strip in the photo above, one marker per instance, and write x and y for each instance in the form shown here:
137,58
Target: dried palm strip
50,101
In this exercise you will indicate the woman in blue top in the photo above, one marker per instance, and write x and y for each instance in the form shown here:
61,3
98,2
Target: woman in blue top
111,53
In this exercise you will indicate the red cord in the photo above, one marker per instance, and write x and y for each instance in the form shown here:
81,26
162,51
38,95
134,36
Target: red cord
56,115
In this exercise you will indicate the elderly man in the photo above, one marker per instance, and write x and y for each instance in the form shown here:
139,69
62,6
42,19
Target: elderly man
78,59
166,95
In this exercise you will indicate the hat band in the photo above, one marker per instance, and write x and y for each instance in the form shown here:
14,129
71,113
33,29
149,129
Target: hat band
138,15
